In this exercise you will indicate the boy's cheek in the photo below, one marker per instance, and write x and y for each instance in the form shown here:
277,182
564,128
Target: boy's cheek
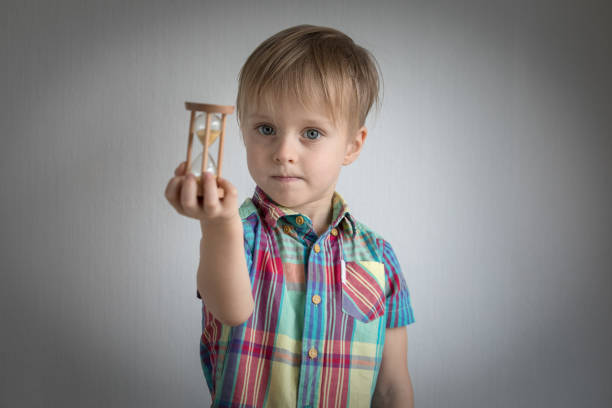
253,164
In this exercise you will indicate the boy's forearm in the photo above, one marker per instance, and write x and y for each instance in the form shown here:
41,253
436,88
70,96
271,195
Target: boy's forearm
400,394
403,399
223,279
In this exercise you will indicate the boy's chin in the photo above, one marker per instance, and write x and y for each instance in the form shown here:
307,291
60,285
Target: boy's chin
277,198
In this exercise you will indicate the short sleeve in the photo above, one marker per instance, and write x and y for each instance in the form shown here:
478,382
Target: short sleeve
249,238
398,308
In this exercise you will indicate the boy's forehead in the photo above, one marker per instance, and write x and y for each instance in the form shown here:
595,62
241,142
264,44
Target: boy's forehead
310,107
288,110
273,108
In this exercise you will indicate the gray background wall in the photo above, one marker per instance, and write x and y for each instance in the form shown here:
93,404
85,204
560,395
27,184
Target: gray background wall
488,168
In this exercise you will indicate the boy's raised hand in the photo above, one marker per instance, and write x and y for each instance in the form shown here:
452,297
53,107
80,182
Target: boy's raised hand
181,192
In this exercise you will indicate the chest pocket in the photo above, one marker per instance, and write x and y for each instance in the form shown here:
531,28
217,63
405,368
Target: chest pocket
363,295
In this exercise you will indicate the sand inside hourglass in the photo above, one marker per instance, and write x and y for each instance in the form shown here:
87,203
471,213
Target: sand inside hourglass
214,134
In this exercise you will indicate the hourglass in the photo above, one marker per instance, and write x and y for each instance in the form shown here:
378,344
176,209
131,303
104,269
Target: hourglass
208,126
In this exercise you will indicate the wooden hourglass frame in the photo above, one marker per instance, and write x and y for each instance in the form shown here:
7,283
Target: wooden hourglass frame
209,110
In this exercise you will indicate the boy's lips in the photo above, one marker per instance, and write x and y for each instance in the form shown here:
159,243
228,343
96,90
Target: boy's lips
286,178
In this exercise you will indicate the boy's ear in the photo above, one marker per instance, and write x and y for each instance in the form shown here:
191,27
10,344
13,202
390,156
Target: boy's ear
354,145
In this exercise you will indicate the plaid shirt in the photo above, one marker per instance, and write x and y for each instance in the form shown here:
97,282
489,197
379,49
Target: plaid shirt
322,304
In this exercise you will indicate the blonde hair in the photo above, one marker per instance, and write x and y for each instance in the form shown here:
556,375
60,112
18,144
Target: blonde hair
311,63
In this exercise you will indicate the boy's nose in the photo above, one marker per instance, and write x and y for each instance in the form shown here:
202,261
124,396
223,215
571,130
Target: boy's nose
285,151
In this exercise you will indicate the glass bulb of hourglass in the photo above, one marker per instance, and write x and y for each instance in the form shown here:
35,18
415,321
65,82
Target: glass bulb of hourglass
196,166
199,127
196,169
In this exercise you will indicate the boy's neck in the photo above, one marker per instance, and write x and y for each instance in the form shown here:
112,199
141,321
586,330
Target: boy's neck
320,214
322,221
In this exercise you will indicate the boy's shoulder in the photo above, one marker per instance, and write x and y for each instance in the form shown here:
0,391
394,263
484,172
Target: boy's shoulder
369,237
365,230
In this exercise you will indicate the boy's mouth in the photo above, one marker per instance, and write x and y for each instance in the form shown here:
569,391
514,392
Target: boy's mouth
285,178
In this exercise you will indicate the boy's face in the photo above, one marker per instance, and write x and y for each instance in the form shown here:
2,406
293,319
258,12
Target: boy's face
295,154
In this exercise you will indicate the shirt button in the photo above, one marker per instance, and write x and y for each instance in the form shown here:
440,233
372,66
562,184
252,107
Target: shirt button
317,248
287,229
299,220
312,353
316,299
334,232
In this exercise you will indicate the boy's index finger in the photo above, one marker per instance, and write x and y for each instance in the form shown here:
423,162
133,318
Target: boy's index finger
209,187
177,170
180,169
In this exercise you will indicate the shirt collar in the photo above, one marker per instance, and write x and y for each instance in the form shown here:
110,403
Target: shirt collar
271,212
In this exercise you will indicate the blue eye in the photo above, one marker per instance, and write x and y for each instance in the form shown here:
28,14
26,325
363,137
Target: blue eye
265,130
312,134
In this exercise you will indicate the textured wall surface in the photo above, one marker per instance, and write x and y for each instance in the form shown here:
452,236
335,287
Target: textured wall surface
489,169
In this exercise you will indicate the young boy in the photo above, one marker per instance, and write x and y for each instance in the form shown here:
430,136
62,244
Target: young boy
303,305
